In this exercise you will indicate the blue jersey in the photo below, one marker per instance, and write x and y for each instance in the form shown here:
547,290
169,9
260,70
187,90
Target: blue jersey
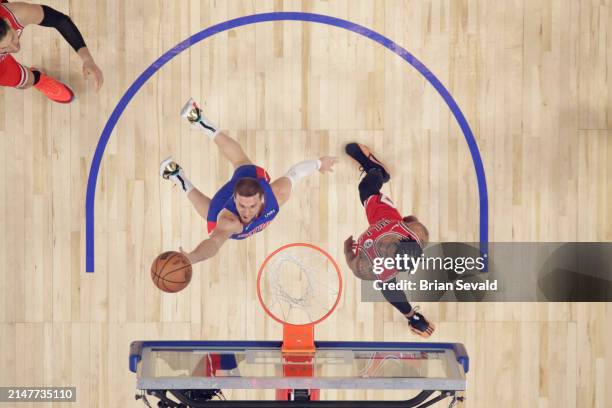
224,199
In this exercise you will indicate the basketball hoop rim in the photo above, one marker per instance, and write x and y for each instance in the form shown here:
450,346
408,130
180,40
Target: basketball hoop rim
299,244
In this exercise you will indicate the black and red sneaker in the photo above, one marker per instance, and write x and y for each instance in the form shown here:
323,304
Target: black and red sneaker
367,161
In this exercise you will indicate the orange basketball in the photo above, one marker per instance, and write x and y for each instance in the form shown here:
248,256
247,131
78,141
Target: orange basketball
171,271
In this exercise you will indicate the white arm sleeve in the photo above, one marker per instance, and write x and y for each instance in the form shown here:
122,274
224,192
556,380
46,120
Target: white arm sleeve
297,171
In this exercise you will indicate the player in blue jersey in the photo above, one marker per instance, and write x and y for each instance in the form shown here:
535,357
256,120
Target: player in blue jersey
248,202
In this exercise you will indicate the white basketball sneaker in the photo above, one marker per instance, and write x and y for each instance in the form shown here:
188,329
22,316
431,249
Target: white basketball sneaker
193,113
170,170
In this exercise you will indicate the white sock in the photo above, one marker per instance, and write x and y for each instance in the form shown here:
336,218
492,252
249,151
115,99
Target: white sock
206,127
182,181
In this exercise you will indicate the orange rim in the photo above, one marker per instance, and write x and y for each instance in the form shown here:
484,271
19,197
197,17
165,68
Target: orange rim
299,244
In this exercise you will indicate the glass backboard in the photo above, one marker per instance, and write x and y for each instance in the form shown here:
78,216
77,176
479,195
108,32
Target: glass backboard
334,365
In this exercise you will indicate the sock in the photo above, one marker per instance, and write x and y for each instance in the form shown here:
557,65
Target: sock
211,131
182,182
36,74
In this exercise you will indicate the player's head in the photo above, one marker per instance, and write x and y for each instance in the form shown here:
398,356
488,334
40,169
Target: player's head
419,230
408,248
9,40
249,198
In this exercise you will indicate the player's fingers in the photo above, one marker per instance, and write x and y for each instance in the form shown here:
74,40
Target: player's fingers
100,79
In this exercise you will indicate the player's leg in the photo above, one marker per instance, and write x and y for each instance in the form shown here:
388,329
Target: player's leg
376,172
14,75
398,299
170,170
229,147
367,161
232,150
33,77
283,185
200,202
371,184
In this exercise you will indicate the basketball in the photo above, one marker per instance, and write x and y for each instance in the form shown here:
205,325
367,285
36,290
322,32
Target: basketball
171,271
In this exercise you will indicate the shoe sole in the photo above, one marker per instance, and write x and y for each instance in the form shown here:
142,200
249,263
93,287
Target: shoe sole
354,149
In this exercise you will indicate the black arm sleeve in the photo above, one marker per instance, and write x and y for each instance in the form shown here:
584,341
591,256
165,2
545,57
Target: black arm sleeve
63,24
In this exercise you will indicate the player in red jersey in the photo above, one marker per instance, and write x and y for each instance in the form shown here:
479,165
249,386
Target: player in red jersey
388,235
13,18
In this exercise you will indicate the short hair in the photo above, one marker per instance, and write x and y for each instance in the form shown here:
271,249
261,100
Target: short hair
4,28
248,187
408,247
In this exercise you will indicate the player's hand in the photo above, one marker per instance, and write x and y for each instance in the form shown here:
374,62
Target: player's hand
90,68
186,255
348,245
327,163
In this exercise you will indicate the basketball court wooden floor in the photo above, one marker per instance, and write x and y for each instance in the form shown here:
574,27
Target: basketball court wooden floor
533,79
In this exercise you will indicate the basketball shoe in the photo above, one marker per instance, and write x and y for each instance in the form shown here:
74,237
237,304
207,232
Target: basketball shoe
193,113
54,89
367,161
170,170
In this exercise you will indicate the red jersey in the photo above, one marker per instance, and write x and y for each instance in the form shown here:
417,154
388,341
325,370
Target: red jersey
12,73
384,221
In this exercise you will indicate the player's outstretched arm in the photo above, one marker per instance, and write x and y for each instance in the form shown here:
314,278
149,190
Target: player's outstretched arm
282,186
209,247
48,17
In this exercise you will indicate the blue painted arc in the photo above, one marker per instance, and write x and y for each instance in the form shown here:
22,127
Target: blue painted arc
266,17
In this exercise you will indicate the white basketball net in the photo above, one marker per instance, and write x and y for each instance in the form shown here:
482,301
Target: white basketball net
376,363
299,285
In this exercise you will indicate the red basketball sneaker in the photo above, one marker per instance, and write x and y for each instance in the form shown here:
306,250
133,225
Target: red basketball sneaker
54,89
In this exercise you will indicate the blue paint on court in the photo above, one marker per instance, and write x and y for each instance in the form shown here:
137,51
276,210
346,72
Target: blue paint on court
258,18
